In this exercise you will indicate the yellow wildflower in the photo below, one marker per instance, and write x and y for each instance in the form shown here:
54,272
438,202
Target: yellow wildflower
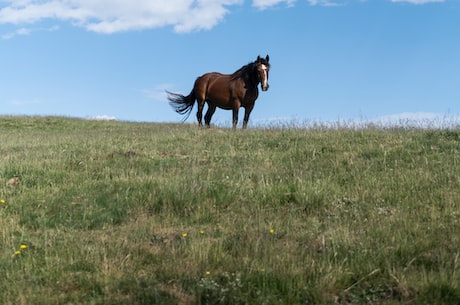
272,231
2,201
184,234
17,253
23,246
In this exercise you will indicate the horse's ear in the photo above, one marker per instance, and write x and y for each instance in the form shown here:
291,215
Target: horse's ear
267,58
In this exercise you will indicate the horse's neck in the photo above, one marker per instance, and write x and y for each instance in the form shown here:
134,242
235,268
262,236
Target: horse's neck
253,79
248,74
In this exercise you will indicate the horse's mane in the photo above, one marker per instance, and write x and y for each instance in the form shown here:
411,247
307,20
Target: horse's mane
248,72
245,71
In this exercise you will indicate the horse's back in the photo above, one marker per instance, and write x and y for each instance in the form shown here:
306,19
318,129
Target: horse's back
205,78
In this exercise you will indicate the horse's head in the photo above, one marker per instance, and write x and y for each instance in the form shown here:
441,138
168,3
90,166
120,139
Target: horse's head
263,67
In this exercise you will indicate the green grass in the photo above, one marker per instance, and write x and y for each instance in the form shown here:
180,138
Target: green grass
132,213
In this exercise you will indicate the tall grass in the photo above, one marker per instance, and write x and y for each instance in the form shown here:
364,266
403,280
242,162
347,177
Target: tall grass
132,213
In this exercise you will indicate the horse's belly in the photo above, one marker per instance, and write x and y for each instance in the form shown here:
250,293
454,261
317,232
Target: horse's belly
220,101
225,107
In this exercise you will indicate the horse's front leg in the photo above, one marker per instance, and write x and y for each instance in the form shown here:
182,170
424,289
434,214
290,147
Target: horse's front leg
247,112
235,116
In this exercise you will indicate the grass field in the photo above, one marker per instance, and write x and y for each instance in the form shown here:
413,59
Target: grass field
132,213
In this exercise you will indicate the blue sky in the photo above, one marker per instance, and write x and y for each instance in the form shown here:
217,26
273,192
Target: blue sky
331,59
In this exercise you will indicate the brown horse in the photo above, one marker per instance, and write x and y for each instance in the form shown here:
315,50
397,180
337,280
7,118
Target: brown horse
226,91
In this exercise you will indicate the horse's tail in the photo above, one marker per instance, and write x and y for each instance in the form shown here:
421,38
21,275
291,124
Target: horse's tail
182,104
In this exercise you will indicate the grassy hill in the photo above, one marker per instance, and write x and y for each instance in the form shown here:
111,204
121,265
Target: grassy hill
132,213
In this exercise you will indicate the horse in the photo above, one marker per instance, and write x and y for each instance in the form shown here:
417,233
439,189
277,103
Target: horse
226,91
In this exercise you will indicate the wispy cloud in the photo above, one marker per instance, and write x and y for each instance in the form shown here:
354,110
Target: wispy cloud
26,31
264,4
325,3
419,1
102,117
157,93
18,32
417,120
21,103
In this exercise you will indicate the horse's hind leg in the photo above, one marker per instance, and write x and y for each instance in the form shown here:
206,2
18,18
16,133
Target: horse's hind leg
199,113
209,113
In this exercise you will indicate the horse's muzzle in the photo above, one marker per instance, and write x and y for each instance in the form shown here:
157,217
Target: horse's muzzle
265,88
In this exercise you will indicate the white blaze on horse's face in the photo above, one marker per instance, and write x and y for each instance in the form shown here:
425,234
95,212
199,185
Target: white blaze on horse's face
264,77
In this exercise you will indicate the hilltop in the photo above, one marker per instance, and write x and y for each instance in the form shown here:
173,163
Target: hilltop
143,213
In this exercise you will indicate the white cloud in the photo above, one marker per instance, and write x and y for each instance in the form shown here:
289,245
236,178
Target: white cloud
418,1
110,16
